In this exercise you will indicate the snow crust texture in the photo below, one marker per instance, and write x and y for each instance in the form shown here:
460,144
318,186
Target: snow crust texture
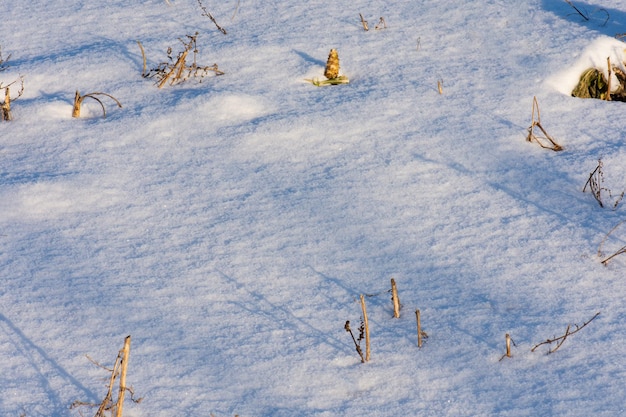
230,225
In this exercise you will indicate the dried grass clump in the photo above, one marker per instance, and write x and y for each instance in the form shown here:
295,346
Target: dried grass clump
178,70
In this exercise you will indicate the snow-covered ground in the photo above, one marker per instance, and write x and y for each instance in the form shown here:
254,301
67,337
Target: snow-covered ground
230,225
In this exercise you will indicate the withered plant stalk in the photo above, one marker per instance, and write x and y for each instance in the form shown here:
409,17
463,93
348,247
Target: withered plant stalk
120,368
78,101
608,81
367,329
178,70
561,339
381,24
120,398
508,341
595,181
210,16
618,252
357,342
531,135
5,107
419,328
364,23
395,299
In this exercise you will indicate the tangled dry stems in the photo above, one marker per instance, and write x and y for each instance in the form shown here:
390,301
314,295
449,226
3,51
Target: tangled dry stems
177,70
594,183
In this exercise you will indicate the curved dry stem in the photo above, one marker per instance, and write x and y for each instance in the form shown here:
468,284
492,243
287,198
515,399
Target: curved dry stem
143,56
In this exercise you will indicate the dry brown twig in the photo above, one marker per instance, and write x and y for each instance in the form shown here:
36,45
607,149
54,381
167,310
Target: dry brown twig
367,329
381,24
364,23
177,70
531,135
561,339
585,15
596,178
357,342
618,252
210,16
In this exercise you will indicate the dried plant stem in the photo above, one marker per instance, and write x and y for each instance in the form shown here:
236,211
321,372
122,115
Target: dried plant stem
608,82
236,10
531,135
561,339
177,70
367,329
395,299
125,353
364,23
381,24
619,251
210,16
594,182
357,344
507,338
6,106
440,86
78,101
419,328
144,72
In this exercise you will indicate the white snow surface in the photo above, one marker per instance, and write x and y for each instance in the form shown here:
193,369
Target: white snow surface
230,225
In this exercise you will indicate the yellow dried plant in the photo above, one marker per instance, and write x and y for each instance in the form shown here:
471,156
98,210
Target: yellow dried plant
331,72
332,65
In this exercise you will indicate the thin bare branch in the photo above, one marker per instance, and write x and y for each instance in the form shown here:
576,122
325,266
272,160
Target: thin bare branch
210,16
561,339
